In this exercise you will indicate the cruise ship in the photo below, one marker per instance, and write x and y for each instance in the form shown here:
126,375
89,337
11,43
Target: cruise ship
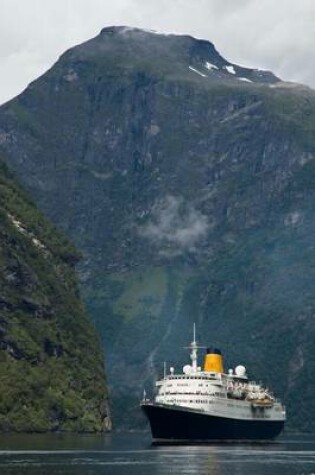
206,403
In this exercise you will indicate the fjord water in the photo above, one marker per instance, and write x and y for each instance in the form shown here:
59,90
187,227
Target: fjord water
133,453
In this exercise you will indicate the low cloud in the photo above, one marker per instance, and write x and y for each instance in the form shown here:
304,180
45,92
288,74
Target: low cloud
175,226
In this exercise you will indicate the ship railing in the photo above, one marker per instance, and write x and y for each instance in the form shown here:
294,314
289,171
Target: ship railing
202,375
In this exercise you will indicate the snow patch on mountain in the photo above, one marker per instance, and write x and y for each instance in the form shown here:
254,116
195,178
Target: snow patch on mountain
244,79
128,29
198,72
210,66
230,69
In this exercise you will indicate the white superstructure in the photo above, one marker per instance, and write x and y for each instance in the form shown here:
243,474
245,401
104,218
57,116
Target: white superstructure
216,393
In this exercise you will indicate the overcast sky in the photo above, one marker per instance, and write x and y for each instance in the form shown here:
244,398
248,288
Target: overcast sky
278,35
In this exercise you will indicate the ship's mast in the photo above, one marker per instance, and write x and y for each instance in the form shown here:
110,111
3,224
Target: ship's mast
193,353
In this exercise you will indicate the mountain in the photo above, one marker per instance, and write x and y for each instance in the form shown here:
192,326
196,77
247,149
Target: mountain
187,182
52,373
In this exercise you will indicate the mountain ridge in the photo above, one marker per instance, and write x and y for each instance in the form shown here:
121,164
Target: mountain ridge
136,43
191,199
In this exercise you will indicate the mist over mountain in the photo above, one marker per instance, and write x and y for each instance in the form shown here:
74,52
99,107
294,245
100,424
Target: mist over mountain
187,182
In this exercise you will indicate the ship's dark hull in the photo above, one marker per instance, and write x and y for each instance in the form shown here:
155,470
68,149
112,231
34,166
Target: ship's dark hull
179,424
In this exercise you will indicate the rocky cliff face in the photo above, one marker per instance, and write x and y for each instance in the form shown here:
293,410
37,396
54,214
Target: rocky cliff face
188,184
52,374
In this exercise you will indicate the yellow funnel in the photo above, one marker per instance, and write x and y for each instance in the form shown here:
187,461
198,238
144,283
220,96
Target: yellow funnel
213,362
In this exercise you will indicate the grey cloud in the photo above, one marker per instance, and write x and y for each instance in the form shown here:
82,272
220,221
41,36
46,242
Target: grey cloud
278,36
175,226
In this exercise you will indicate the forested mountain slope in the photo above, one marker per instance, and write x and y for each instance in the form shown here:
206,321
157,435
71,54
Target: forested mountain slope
51,367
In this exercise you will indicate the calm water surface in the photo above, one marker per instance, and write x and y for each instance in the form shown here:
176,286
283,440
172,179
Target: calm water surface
132,453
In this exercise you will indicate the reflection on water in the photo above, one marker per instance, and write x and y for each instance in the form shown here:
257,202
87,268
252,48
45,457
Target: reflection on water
133,454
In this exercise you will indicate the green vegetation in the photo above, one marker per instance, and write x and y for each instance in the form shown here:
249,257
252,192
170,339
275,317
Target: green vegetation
145,293
51,368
